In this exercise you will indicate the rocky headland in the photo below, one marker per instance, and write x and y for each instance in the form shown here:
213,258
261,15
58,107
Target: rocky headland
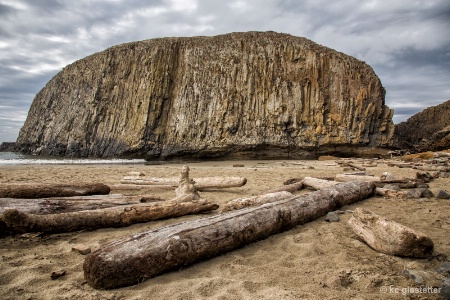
239,95
428,130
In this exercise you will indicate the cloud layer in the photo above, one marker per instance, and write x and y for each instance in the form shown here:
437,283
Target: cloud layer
407,42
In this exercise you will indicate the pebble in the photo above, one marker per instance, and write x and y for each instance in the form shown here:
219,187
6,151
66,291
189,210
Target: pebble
332,217
443,195
414,275
391,186
420,193
82,249
57,274
444,269
445,288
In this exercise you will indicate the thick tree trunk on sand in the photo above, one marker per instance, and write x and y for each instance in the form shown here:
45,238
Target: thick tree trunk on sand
200,183
348,178
256,200
390,237
31,190
144,255
70,204
107,217
317,184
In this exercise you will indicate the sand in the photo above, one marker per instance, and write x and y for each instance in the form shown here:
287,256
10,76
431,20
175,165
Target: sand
318,260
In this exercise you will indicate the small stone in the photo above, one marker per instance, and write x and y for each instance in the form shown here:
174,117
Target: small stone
423,186
425,176
349,169
443,195
414,275
57,274
445,288
427,194
444,268
82,249
332,217
391,186
386,176
420,193
238,166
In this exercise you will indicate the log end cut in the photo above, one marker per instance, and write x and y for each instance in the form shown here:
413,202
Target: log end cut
390,237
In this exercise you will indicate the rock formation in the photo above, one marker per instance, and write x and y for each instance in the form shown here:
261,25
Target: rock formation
239,95
428,130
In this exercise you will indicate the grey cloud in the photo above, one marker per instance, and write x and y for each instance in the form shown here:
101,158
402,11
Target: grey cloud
406,42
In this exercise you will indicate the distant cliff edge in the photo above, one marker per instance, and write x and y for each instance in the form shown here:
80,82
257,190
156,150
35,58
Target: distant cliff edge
426,130
238,95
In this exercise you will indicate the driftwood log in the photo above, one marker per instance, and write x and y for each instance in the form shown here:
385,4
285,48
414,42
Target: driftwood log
389,237
68,204
389,193
256,200
200,183
141,256
186,190
32,190
291,188
99,218
350,177
124,187
317,183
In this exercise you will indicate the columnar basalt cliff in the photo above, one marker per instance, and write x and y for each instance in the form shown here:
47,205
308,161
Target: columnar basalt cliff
426,130
239,95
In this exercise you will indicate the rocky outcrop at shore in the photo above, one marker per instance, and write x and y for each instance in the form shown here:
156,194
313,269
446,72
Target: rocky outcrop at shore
239,95
8,147
428,130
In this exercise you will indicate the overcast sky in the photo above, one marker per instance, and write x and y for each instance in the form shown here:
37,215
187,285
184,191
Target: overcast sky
407,42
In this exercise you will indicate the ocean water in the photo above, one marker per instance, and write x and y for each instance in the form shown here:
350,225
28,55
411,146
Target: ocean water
12,158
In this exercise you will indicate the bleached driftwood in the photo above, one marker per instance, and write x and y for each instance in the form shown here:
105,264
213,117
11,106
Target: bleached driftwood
200,183
348,178
124,187
390,237
186,190
144,255
317,183
107,217
389,193
353,165
39,190
68,204
256,200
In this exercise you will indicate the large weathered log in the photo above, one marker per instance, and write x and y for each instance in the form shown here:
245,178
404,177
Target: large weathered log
348,178
256,200
141,256
107,217
317,183
38,190
389,237
200,183
67,204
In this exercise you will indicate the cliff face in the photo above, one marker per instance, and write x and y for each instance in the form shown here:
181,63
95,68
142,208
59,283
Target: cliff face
235,95
426,130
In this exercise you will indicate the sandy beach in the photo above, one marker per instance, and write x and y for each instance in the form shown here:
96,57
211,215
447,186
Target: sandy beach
317,260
